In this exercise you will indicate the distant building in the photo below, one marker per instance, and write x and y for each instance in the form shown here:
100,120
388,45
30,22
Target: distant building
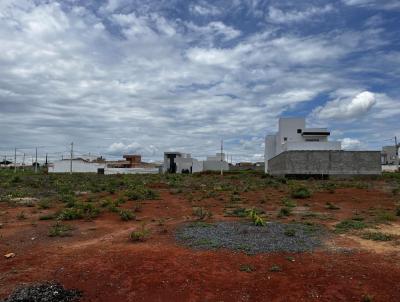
133,165
297,150
388,155
216,162
293,135
177,162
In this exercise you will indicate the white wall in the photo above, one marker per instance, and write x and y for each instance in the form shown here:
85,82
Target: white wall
78,166
312,146
213,165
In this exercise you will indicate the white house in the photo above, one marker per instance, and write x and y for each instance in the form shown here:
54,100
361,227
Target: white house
214,163
177,162
79,165
293,135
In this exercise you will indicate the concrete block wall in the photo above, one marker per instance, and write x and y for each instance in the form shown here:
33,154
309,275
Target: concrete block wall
338,163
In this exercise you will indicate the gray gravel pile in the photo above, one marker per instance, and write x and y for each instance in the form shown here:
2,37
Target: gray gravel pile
274,237
45,292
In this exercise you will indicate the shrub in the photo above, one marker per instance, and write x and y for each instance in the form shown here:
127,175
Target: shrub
377,236
141,193
44,204
257,220
126,215
202,213
288,203
139,235
80,210
331,206
350,224
367,298
246,268
275,268
384,216
284,212
47,217
300,192
60,230
398,211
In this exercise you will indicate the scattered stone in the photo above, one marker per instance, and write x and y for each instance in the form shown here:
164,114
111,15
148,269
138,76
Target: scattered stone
81,193
9,255
25,201
252,239
48,292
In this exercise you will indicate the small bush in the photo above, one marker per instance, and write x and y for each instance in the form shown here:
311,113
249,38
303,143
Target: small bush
350,224
288,203
367,298
139,235
300,192
398,211
60,230
275,268
80,210
257,220
384,216
44,204
141,193
284,212
246,268
202,213
377,236
126,215
47,217
331,206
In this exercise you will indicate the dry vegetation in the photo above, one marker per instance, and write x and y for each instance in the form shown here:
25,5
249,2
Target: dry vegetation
117,234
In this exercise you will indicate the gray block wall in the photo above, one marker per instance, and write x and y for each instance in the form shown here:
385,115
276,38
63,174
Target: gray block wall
335,163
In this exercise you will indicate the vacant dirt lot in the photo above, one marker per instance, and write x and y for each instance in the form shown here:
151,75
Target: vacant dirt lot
91,249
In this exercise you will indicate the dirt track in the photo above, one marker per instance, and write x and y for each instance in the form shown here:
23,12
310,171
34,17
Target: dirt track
99,259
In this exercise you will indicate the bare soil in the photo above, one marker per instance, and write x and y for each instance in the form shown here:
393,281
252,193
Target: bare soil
100,260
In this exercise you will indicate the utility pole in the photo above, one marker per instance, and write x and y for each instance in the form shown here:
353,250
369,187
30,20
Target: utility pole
36,163
72,154
15,160
46,160
397,153
222,150
23,163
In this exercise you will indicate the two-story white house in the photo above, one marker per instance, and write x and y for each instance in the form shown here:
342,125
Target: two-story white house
293,135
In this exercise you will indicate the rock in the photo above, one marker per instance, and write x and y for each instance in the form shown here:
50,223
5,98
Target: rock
25,201
9,255
80,193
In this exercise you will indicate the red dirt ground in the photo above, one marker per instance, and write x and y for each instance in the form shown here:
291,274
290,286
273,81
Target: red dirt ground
100,260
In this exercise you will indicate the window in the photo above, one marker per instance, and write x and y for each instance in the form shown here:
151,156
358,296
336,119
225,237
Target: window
285,139
299,131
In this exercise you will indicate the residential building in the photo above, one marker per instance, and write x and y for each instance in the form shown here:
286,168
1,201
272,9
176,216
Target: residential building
216,162
389,155
299,151
293,135
177,162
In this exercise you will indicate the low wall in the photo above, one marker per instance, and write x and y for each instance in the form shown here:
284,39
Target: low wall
337,163
109,171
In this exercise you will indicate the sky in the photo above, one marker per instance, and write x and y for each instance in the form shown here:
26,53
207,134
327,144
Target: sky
148,76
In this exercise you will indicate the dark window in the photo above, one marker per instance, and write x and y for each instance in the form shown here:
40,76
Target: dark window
298,130
285,139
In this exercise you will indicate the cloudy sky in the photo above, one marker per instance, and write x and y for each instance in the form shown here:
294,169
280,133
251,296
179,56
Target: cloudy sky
148,76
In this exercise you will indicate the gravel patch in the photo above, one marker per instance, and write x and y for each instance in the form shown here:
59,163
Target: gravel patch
45,292
274,237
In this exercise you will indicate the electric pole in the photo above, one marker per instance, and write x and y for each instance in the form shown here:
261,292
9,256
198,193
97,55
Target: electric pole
397,153
72,154
36,163
15,160
222,150
23,163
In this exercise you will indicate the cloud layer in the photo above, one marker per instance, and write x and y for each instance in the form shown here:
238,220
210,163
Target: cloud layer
150,76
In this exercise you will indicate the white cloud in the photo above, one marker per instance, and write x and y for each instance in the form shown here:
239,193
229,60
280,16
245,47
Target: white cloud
276,15
204,9
347,108
376,4
350,144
